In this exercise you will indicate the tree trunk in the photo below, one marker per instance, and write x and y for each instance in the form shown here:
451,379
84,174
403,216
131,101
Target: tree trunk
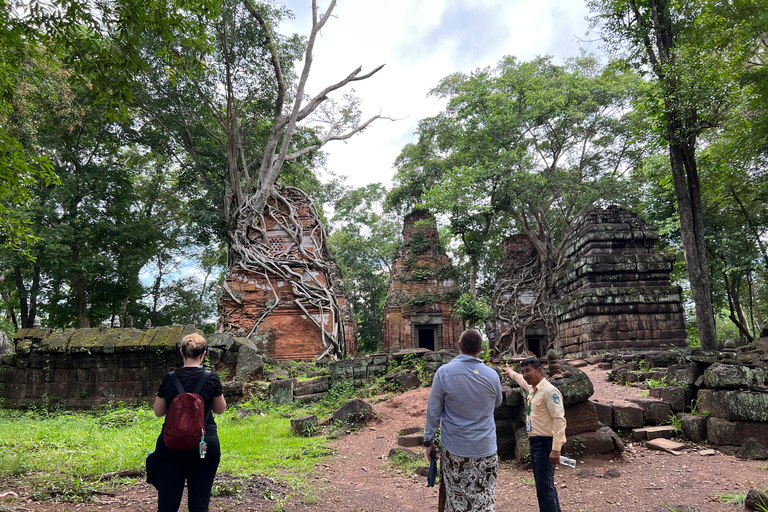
78,288
688,196
10,314
23,297
33,292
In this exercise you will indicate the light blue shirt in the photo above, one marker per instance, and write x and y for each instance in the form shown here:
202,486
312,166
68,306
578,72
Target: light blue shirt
464,394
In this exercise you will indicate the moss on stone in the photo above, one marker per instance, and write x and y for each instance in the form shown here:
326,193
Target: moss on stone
83,341
58,341
132,340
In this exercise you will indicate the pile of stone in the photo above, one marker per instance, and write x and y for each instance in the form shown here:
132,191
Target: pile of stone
585,433
719,398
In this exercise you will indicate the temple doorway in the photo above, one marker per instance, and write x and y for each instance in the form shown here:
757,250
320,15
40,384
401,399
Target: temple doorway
427,334
537,345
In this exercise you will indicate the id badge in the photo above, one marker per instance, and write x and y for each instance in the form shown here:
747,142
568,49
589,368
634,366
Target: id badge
203,449
528,425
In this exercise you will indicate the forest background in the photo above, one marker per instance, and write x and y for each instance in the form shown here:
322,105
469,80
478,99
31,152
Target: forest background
131,134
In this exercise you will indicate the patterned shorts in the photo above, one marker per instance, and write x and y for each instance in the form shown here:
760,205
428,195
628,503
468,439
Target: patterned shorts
468,484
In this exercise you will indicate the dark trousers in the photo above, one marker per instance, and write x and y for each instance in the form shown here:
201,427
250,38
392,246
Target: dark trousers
544,474
176,467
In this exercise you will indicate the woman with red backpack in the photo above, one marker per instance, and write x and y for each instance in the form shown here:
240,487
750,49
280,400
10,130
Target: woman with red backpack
188,448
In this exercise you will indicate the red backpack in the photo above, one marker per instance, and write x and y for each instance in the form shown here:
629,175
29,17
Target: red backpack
184,427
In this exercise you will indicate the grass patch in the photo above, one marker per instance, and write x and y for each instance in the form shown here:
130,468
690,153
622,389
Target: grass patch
733,498
60,455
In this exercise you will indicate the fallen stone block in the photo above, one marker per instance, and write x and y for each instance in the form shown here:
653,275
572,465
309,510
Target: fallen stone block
304,425
603,440
723,432
604,412
311,398
752,450
694,427
666,445
628,416
581,418
673,395
654,410
650,433
281,391
410,440
310,387
735,405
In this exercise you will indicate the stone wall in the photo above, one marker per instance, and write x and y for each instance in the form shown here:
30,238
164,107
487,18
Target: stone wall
421,291
721,398
82,368
615,291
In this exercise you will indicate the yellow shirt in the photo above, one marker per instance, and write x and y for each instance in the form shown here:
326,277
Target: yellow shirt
547,411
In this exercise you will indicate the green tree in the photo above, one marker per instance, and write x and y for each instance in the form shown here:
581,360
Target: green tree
363,243
522,147
683,49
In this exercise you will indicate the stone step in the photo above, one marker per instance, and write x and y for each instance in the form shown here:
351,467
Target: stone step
650,433
410,440
665,445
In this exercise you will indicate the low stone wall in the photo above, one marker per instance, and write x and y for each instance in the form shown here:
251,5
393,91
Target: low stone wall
721,398
82,368
361,369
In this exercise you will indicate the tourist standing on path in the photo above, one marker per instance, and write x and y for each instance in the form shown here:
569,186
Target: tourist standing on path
197,467
546,429
464,394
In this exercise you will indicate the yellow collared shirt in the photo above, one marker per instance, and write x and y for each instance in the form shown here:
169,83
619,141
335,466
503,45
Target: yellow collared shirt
547,411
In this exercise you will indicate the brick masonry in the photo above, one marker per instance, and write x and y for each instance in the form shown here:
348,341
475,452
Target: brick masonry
286,332
422,288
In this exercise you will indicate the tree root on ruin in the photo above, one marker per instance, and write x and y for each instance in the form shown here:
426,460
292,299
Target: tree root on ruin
298,262
520,301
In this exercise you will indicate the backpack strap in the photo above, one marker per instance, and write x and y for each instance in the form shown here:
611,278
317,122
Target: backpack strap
176,382
202,381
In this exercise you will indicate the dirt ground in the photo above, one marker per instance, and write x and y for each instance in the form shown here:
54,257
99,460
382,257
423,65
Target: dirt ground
359,478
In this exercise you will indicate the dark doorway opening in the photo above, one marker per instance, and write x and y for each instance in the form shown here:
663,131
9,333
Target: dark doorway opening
536,345
427,337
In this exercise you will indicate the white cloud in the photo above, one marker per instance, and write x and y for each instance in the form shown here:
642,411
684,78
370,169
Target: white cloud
422,41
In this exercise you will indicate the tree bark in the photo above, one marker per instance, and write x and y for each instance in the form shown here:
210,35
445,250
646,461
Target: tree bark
79,290
681,134
21,289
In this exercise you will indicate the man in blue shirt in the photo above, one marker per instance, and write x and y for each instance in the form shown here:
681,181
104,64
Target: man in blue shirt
464,394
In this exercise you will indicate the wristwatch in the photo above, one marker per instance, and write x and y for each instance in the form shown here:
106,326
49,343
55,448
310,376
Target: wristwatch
427,443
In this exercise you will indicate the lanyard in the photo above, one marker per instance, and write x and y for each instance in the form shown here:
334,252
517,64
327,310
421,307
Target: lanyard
530,402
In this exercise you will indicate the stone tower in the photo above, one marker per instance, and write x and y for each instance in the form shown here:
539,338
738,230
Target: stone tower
614,291
421,291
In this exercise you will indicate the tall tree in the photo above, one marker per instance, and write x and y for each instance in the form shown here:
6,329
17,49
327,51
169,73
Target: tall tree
363,243
522,147
673,44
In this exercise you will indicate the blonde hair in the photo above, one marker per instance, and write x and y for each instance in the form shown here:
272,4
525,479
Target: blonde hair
193,345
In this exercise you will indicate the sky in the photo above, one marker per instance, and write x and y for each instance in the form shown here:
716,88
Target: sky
420,42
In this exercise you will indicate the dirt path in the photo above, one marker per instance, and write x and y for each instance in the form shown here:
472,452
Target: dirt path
359,478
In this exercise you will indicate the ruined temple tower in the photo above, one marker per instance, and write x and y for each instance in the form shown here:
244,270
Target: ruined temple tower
614,292
422,288
283,291
521,320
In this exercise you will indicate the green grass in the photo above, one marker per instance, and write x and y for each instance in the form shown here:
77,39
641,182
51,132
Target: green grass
60,455
733,498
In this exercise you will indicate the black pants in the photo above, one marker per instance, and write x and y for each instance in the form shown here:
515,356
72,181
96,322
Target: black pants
544,474
175,467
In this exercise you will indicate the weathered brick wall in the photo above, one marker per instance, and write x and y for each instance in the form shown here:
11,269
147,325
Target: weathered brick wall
82,368
421,290
615,291
287,332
